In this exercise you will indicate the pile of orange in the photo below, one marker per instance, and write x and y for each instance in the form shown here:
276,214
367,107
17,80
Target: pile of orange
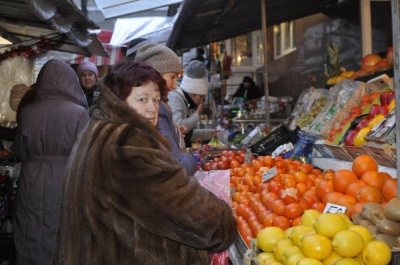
281,200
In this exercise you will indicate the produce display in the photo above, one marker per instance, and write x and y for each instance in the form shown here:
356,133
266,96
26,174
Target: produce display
284,193
322,238
382,221
370,64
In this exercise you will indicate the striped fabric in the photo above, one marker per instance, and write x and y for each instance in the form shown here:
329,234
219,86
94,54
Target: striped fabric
116,53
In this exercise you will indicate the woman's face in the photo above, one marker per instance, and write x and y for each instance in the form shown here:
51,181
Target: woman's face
87,79
197,99
146,101
170,78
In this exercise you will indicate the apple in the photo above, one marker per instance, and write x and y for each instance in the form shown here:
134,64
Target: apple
363,123
386,97
384,109
374,110
349,141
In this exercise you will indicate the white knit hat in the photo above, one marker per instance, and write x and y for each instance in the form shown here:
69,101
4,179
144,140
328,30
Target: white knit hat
194,80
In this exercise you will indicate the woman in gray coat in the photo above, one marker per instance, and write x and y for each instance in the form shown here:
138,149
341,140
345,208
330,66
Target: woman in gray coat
47,130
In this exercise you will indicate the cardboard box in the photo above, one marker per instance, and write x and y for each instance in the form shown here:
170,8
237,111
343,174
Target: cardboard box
355,151
339,152
395,256
382,157
320,147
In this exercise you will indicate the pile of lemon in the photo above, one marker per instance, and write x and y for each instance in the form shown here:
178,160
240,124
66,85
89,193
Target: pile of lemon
321,239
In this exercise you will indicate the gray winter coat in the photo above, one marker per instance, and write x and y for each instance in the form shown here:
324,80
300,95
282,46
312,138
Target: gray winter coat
181,115
47,130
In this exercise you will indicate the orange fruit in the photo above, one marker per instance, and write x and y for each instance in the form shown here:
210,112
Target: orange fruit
346,200
341,179
389,189
372,177
324,187
356,208
331,197
369,193
362,164
354,187
385,175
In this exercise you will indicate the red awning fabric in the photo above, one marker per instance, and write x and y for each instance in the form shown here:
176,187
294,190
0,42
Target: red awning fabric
117,54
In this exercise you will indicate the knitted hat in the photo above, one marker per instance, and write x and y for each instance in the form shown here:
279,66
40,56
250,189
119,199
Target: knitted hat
87,66
160,57
194,80
16,94
135,45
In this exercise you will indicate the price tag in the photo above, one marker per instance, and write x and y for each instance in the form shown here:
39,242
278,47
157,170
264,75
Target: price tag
334,208
269,174
247,156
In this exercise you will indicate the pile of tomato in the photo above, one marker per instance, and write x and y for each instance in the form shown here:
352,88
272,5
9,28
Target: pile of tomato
226,159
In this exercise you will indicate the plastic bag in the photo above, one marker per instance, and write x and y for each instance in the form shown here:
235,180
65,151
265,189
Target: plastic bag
218,182
303,149
347,94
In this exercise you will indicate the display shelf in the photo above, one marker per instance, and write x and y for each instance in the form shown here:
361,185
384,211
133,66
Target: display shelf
336,164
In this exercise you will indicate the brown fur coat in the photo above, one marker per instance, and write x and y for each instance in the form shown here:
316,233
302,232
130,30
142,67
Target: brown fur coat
127,201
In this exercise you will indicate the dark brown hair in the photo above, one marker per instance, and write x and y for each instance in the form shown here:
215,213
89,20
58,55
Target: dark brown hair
128,74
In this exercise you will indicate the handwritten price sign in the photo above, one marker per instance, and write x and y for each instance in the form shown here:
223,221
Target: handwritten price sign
334,208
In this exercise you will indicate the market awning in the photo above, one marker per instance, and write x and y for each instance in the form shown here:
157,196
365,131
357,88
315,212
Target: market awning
118,8
155,29
201,22
58,25
116,53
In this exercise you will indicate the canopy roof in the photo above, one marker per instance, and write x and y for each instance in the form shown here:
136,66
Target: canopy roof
61,22
205,21
118,8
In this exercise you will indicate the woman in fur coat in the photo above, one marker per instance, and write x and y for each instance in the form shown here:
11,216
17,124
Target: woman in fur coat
47,131
127,200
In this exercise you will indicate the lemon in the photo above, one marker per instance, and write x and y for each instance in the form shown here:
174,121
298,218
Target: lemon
268,237
376,253
265,257
288,231
348,243
309,216
346,217
309,261
328,224
332,258
347,261
292,255
298,232
280,247
364,232
316,246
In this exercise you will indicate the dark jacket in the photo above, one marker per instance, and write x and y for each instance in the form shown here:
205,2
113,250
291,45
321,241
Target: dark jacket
252,92
127,200
47,131
167,128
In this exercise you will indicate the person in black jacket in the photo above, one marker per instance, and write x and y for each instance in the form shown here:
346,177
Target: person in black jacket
248,90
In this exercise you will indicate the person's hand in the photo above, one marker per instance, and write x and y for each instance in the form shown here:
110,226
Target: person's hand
199,109
215,132
182,128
